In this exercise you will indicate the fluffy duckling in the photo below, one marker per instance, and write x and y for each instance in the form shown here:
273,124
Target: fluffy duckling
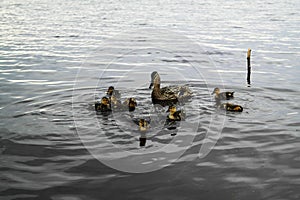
114,102
174,115
167,95
172,119
130,103
112,92
222,95
231,107
143,127
103,106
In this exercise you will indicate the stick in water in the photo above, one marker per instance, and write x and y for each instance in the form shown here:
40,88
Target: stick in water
248,66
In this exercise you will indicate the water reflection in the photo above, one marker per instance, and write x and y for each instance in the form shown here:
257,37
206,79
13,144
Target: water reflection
257,156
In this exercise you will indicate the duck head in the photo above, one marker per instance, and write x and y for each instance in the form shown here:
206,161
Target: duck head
110,90
216,91
105,101
172,109
155,79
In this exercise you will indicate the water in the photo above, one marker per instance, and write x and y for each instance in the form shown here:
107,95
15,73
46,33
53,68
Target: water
57,57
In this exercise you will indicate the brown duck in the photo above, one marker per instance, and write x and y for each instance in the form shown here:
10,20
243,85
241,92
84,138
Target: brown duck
167,95
231,107
222,95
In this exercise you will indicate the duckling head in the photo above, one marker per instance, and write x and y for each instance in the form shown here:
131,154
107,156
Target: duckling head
131,104
172,109
104,101
155,79
110,90
216,91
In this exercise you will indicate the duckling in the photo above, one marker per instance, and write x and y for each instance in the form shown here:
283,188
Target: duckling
130,103
222,95
103,106
143,125
172,119
167,95
114,102
174,115
111,91
231,107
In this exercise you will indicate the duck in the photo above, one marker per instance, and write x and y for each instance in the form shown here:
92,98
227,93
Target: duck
114,102
143,125
129,104
174,115
222,95
103,106
169,95
143,128
231,107
112,92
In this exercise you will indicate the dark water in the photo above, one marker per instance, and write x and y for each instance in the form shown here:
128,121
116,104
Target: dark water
57,57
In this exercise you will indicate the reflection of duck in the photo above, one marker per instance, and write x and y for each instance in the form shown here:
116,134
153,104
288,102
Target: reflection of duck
103,106
167,95
231,107
222,95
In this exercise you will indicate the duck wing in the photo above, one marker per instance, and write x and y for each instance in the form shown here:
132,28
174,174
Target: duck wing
177,91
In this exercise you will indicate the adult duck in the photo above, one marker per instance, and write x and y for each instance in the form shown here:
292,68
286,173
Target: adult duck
167,95
231,107
222,95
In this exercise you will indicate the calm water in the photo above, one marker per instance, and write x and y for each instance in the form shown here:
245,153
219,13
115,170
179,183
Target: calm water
58,57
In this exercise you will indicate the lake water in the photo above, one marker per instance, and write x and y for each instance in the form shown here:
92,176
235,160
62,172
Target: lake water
58,57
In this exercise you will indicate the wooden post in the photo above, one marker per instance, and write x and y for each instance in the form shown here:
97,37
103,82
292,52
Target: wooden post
248,66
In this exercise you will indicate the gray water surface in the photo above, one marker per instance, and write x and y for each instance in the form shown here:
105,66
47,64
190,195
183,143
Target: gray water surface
58,57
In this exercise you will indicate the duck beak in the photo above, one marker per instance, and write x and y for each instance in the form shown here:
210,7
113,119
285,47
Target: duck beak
213,92
150,86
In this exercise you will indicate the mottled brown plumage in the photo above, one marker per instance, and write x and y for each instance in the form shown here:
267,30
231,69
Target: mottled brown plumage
168,95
